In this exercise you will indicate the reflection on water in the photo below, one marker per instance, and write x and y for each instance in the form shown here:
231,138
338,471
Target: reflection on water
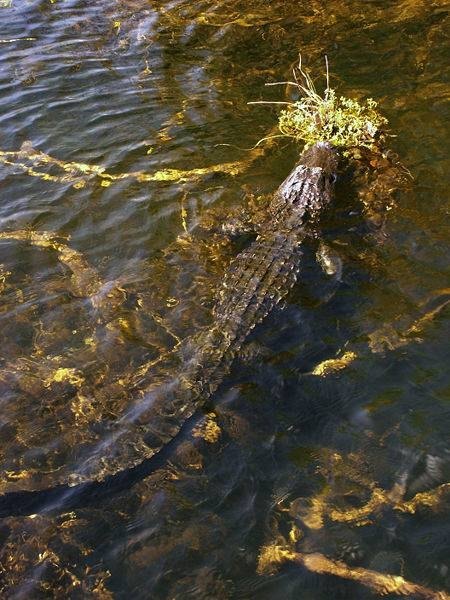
321,467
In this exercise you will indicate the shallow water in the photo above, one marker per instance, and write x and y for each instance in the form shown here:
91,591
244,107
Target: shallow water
351,466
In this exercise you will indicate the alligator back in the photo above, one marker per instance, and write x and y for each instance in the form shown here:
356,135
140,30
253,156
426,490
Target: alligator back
257,279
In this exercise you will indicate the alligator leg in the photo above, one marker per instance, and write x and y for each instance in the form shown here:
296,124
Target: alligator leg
330,261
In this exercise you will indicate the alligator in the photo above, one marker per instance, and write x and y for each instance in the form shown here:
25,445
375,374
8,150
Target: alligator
257,279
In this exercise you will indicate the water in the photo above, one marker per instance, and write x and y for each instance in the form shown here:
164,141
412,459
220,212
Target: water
349,467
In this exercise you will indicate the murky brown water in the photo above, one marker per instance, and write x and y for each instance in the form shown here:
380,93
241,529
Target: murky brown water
122,150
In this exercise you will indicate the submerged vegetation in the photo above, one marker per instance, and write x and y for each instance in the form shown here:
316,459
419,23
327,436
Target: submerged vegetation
313,118
322,469
27,158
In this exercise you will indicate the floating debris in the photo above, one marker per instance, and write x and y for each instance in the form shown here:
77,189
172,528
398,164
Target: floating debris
344,122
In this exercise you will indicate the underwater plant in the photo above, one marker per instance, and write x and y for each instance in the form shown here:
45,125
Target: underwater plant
342,121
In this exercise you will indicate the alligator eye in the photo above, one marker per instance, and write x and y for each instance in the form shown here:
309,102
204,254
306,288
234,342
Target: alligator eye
333,178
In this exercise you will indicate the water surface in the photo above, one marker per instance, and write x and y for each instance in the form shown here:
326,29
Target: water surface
96,97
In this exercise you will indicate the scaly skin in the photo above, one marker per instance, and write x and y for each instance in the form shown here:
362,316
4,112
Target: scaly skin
257,279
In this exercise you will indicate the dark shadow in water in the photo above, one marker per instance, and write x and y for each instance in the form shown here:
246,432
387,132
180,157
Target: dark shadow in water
64,497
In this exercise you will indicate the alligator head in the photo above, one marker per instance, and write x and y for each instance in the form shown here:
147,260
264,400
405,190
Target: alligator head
309,187
322,155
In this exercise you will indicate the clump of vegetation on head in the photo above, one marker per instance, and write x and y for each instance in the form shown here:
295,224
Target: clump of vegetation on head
313,118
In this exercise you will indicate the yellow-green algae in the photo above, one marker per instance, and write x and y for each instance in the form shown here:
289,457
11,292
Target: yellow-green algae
345,122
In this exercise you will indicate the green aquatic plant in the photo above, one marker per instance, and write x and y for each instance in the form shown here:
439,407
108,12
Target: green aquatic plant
313,118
